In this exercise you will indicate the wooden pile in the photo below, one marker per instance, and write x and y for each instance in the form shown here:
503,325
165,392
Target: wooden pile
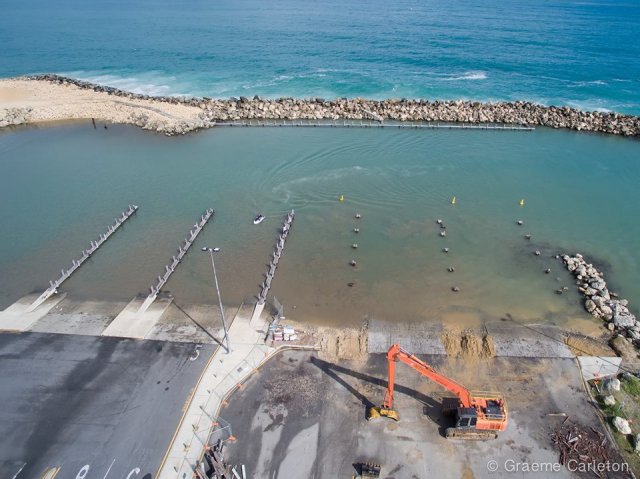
580,445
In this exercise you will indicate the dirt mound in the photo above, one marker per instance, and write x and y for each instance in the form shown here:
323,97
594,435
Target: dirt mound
343,343
586,346
468,344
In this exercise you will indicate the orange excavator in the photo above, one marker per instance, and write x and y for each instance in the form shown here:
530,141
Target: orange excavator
479,415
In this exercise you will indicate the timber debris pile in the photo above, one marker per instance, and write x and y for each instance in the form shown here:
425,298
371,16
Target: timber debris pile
578,445
213,465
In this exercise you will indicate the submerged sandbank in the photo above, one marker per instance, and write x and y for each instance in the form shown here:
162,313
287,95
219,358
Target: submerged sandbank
50,97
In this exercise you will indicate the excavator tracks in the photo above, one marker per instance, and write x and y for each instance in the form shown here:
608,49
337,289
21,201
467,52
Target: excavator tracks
470,434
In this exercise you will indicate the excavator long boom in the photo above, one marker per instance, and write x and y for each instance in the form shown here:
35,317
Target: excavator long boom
396,353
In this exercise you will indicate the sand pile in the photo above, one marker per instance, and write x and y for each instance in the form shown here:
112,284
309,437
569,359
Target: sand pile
343,343
586,346
468,344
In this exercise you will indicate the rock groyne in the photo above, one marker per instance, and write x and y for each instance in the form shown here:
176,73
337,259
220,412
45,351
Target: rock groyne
600,301
212,111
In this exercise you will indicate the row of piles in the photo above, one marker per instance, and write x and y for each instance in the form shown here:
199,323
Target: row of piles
354,246
182,251
443,234
275,257
93,246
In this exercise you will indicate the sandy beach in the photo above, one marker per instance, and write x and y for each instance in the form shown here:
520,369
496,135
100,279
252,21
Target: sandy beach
25,101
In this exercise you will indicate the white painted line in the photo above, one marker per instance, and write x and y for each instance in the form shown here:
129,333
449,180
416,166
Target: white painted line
19,471
108,470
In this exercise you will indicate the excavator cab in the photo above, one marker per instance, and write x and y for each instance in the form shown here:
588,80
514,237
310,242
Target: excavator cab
467,418
480,422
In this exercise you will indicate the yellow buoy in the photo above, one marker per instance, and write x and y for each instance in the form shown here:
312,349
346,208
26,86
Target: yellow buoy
341,198
453,200
522,202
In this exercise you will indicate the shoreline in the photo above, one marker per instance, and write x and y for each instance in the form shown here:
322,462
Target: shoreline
48,98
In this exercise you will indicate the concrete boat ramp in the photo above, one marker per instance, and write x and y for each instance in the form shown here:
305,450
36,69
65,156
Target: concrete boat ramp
135,321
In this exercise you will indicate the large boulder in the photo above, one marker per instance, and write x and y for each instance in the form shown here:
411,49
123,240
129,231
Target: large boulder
609,400
612,384
622,318
622,425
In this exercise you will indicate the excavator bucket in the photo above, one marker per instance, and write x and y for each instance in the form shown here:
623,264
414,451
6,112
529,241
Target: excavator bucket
376,412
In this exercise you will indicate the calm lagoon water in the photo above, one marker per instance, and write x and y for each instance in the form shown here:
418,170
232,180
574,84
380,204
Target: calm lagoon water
60,187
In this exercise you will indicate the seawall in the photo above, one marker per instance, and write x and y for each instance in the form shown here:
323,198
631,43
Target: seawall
208,111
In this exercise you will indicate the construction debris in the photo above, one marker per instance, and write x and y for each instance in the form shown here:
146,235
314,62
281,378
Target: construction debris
280,332
580,446
368,470
213,466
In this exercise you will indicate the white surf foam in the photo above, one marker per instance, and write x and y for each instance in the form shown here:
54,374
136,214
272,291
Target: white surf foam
148,83
470,75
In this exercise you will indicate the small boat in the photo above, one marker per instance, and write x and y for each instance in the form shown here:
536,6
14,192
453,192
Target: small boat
258,219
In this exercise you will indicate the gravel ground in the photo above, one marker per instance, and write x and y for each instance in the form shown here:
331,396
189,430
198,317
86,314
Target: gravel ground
302,416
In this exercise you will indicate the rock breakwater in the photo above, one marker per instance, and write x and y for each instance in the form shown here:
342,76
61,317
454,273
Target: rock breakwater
14,116
212,111
600,301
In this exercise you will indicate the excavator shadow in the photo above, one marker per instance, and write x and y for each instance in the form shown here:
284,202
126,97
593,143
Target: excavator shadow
430,407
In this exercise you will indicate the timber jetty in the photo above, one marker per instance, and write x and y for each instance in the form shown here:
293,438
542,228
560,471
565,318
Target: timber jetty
211,112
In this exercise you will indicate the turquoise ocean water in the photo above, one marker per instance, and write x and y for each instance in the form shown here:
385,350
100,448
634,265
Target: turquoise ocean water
60,186
570,52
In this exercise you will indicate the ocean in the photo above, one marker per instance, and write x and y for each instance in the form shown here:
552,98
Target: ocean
562,52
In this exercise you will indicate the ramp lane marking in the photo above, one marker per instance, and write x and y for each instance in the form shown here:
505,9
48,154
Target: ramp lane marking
109,470
19,471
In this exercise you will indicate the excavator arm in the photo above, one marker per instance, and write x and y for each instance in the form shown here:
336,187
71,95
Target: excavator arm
396,353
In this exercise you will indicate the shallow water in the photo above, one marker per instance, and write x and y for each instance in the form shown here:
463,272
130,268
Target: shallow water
61,186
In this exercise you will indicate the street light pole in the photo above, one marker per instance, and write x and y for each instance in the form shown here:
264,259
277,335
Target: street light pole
227,347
